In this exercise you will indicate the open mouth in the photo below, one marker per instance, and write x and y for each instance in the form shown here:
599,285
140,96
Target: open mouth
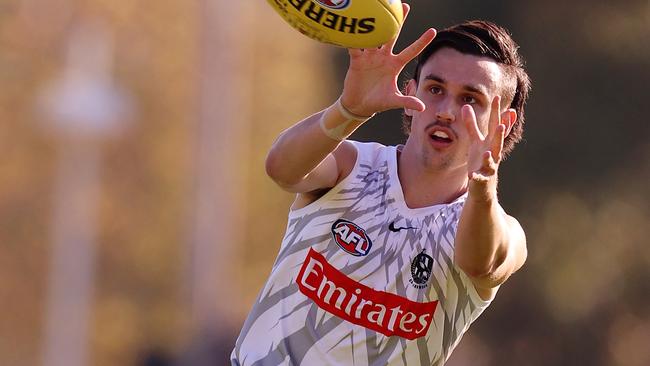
441,136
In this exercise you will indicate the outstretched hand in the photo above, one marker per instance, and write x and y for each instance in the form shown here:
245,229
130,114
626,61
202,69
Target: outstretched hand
485,151
371,82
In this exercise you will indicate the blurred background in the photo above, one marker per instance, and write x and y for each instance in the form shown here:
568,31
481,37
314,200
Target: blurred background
137,224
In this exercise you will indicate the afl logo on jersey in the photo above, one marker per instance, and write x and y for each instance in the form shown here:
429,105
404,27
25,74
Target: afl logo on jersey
351,237
421,268
334,4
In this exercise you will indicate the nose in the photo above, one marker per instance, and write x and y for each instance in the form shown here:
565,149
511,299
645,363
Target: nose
445,116
445,112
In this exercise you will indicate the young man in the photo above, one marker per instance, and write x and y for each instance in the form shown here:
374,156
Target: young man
391,252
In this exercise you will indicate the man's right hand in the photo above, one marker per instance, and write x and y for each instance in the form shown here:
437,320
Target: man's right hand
304,159
371,82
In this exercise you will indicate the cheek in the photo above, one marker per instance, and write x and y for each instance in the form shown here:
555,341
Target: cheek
483,120
463,136
420,118
428,99
430,111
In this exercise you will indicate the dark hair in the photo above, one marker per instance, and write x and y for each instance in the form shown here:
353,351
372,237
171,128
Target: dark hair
483,38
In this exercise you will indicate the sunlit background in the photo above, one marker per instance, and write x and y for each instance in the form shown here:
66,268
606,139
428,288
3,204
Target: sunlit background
137,224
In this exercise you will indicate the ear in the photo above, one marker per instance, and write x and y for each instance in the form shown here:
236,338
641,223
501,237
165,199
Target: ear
411,88
509,118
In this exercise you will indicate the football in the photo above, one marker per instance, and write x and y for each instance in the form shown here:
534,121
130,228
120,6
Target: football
345,23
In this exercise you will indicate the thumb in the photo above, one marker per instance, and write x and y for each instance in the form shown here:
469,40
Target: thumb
410,102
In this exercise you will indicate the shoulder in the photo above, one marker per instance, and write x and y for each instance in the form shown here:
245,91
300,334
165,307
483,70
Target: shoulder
351,154
348,157
365,150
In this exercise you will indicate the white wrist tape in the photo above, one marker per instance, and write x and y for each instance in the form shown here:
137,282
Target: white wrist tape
342,131
349,115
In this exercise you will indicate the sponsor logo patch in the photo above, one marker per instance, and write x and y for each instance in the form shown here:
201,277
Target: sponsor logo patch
351,237
380,311
334,4
317,11
421,268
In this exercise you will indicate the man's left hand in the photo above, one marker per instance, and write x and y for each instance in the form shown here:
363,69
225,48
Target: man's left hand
484,151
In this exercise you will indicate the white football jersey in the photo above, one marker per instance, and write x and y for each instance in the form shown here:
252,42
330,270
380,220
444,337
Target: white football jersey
362,279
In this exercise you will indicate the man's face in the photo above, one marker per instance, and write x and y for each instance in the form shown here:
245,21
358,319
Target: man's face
448,80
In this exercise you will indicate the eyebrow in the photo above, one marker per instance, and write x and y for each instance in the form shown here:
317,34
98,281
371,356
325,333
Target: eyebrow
469,88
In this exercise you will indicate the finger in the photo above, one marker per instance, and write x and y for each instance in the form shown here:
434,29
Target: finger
406,8
469,119
495,116
410,52
489,164
474,176
355,52
409,102
497,142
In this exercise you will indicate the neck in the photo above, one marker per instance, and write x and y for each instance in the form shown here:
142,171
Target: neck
424,185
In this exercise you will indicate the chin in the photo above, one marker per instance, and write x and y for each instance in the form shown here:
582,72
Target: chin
436,161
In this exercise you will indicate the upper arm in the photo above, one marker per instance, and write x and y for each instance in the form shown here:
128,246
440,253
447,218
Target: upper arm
336,166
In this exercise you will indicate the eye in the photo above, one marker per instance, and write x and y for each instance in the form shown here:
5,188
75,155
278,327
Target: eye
436,90
468,99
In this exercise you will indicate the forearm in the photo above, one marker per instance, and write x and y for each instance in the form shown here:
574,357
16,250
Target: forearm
482,237
302,147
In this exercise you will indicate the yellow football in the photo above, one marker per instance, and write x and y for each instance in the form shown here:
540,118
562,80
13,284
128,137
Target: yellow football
345,23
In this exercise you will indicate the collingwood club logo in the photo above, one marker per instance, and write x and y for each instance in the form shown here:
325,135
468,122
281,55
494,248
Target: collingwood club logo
421,268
